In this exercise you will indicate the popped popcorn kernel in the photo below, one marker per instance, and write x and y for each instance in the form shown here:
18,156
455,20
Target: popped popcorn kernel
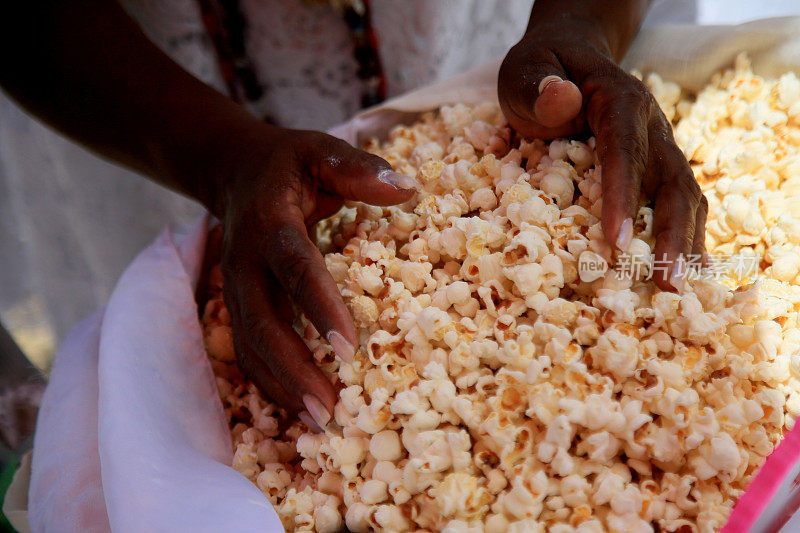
508,379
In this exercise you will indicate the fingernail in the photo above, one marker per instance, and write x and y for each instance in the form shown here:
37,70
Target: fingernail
309,422
341,347
547,81
398,181
317,411
625,235
678,276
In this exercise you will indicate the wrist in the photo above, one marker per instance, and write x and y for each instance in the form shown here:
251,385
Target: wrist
195,140
569,27
238,157
205,158
608,26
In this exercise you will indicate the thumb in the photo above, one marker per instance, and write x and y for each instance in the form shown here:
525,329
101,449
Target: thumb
558,103
536,95
357,175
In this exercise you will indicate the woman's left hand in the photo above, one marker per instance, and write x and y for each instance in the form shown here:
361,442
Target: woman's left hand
561,80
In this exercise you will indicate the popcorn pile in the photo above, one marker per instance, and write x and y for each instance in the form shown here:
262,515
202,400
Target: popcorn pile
499,386
742,137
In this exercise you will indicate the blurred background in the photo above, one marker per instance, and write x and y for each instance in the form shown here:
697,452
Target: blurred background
70,222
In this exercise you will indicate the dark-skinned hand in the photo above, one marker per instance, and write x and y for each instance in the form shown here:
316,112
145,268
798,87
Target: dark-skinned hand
556,83
295,179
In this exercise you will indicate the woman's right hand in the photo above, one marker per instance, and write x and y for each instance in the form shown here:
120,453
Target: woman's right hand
280,183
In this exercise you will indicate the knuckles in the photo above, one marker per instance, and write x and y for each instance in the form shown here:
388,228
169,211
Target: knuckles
687,186
683,188
296,274
612,95
632,144
291,261
258,332
703,203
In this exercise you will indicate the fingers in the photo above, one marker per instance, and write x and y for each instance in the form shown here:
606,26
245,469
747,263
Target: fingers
301,271
257,370
209,283
535,94
678,210
354,174
634,142
213,251
271,346
620,125
699,242
636,149
328,204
